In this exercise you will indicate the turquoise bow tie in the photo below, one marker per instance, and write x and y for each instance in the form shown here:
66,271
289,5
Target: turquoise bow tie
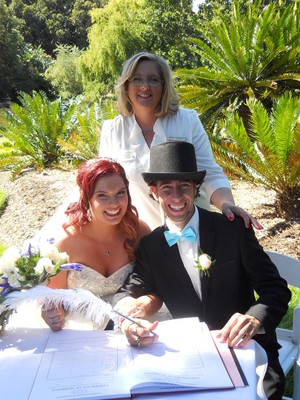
173,237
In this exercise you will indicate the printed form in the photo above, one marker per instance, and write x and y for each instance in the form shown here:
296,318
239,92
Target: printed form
102,365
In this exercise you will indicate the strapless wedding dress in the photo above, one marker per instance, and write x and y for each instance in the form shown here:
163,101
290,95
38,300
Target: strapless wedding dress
99,285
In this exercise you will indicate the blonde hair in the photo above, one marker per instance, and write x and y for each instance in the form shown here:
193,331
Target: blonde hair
169,103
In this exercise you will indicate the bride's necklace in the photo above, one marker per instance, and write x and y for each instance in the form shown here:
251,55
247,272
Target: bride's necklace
106,250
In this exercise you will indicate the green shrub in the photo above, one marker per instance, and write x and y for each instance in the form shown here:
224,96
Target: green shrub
33,128
271,155
3,199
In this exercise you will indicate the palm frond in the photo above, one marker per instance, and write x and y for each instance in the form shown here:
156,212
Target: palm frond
285,115
258,50
272,155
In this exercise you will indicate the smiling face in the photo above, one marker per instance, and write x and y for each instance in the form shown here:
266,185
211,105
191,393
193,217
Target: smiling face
110,200
145,95
176,199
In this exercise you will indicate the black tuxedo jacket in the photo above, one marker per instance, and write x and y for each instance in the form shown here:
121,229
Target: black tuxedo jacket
241,268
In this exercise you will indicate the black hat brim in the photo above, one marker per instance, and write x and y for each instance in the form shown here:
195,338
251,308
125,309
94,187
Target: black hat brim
152,177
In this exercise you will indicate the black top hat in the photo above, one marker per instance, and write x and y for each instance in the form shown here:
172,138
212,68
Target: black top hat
174,160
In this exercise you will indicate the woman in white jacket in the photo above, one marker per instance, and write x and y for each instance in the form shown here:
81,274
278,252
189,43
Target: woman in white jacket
149,114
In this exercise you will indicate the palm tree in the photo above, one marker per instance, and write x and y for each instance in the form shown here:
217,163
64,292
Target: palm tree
272,156
257,51
33,128
84,141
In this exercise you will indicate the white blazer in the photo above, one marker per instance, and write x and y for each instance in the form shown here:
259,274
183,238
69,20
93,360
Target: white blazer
123,141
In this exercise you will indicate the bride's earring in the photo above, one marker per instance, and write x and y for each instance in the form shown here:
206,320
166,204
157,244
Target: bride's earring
89,217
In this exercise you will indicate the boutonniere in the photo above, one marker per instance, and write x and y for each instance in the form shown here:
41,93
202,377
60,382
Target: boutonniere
204,262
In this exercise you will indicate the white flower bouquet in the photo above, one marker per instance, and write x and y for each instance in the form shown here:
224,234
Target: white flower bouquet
23,269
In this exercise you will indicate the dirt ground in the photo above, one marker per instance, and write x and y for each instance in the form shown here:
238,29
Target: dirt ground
34,197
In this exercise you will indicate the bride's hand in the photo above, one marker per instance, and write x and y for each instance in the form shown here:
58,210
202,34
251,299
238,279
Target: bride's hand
130,306
54,317
142,307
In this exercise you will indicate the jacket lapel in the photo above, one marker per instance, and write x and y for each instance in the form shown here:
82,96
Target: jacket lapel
207,244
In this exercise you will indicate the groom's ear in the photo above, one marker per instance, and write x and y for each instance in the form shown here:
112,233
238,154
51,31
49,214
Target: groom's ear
153,192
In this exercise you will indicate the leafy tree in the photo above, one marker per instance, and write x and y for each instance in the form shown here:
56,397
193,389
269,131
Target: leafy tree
129,26
21,64
168,24
64,73
272,157
116,34
34,64
33,128
257,50
10,41
209,9
81,19
48,23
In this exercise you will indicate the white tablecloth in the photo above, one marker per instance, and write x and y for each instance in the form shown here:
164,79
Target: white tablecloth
22,349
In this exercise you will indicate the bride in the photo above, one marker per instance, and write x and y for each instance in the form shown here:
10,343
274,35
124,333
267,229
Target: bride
101,233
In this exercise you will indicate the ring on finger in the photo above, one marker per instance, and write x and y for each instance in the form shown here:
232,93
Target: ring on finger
134,332
137,341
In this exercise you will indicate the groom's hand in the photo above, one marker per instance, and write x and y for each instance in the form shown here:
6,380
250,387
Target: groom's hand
138,335
239,330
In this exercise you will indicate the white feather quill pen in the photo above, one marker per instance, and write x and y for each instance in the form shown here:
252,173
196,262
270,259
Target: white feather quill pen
78,302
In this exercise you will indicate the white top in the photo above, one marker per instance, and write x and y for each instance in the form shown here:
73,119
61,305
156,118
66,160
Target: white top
123,141
189,250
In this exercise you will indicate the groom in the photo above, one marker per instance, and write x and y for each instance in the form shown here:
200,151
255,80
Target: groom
222,295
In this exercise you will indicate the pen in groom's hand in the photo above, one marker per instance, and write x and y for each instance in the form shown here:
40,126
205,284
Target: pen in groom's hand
133,321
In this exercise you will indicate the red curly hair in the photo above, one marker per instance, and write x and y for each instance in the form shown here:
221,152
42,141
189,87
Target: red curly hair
88,174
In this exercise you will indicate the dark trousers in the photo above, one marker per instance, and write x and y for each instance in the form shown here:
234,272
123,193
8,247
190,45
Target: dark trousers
274,380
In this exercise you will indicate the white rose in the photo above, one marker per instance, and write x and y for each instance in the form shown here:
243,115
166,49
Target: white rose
9,270
63,256
205,261
48,250
9,258
14,278
44,264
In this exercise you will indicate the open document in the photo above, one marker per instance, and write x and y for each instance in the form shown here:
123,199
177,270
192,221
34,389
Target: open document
102,365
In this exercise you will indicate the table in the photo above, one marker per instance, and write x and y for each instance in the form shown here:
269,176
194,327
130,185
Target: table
22,348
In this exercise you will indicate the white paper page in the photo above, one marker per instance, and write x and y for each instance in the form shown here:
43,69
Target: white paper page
184,355
83,365
97,365
21,351
246,357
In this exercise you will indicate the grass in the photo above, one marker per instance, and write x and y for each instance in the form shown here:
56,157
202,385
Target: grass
287,323
287,320
2,248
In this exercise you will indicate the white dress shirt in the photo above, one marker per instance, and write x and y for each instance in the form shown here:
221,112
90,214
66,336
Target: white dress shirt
123,141
189,250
